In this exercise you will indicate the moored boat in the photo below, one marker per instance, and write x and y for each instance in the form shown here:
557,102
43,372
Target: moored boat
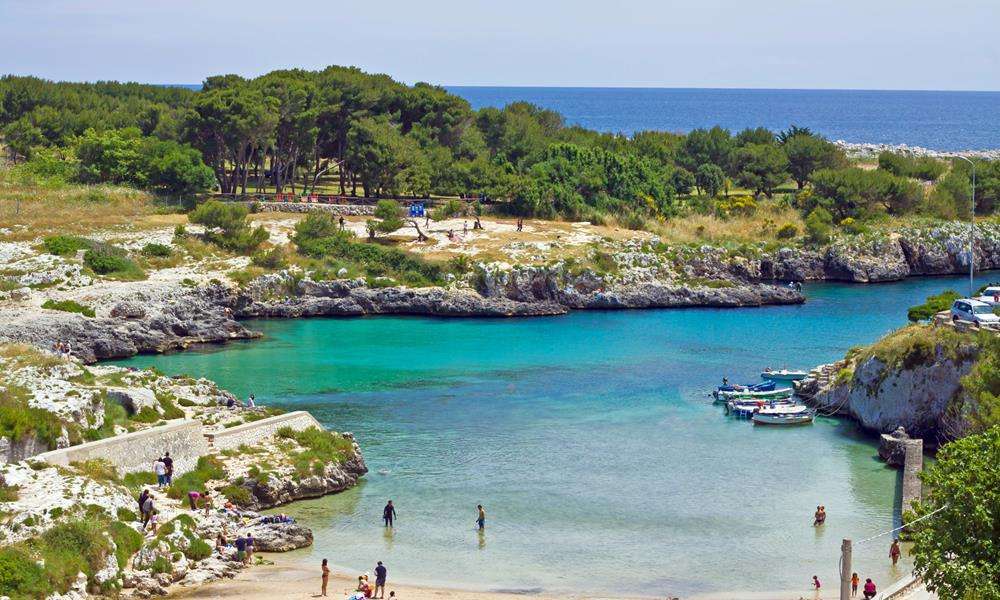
783,415
776,394
784,375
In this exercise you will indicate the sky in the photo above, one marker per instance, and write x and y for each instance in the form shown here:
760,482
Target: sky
856,44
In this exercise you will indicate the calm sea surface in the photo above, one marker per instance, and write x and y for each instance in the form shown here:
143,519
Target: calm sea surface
937,120
589,438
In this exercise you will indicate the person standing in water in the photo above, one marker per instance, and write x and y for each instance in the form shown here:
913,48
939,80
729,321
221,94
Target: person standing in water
820,516
388,514
894,551
854,584
326,577
481,518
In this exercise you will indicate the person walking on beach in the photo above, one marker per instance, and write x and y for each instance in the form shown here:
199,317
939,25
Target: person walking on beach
160,470
250,548
481,518
380,573
870,589
854,584
326,577
816,583
142,500
169,463
388,514
894,551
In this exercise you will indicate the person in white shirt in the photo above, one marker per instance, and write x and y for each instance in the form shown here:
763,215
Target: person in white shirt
160,468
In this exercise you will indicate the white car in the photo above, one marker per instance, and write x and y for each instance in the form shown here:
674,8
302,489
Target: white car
967,309
990,295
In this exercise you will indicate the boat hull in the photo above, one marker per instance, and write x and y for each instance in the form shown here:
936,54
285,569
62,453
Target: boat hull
796,419
786,376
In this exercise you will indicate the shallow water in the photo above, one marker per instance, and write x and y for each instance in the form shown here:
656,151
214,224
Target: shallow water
589,438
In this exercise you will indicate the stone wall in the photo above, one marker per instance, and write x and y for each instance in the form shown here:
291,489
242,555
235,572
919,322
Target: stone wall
913,463
348,210
252,433
137,451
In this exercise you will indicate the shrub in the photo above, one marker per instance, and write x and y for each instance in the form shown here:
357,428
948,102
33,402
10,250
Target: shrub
113,262
18,420
21,576
197,549
238,494
787,231
227,226
157,250
135,481
127,540
451,208
63,245
932,306
321,447
819,225
161,564
270,259
180,231
8,493
71,306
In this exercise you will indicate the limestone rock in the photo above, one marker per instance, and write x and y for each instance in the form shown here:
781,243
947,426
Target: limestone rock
128,310
281,537
135,399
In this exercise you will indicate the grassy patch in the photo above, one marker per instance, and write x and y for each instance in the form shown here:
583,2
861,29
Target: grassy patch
239,495
208,468
18,420
113,263
70,306
320,448
65,245
9,493
138,480
97,469
932,306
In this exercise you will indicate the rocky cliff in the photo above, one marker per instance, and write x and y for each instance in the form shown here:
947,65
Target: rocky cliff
910,379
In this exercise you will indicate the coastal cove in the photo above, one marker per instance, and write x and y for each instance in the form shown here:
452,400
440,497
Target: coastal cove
589,438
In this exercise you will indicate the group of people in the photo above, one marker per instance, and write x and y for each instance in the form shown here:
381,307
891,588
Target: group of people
234,402
365,588
389,515
163,467
869,590
63,349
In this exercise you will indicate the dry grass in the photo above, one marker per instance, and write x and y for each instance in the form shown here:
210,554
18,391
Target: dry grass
763,225
31,210
18,356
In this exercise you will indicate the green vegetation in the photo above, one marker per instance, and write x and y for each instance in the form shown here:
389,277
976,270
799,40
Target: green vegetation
918,167
156,250
387,218
18,420
139,479
933,305
227,226
319,236
239,495
65,550
917,345
955,551
64,245
207,469
113,263
68,306
321,448
97,469
983,384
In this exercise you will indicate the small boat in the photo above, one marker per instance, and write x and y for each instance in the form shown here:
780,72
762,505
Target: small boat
764,386
784,375
744,408
783,415
776,394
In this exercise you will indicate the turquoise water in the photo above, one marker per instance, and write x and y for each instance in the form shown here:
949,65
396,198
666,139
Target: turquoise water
589,438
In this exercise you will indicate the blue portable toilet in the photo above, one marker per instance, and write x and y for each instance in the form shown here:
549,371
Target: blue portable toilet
417,209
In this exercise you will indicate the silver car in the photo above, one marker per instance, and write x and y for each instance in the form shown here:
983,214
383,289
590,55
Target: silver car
967,309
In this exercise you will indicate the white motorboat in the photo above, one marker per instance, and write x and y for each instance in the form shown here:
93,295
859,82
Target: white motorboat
784,375
783,415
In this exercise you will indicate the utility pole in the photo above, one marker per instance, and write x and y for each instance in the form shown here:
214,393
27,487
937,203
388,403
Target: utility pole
972,227
845,570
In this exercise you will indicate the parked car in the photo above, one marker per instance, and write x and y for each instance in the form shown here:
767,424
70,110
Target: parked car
968,309
990,295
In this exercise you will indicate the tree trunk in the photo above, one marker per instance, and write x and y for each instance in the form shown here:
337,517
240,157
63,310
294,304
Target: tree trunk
420,234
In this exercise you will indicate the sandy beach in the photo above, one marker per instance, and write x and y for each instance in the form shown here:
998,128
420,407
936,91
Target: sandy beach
290,578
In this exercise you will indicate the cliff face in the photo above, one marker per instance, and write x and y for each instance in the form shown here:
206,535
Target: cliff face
920,391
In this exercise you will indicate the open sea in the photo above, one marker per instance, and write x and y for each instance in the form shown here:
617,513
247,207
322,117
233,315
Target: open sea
936,120
590,439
